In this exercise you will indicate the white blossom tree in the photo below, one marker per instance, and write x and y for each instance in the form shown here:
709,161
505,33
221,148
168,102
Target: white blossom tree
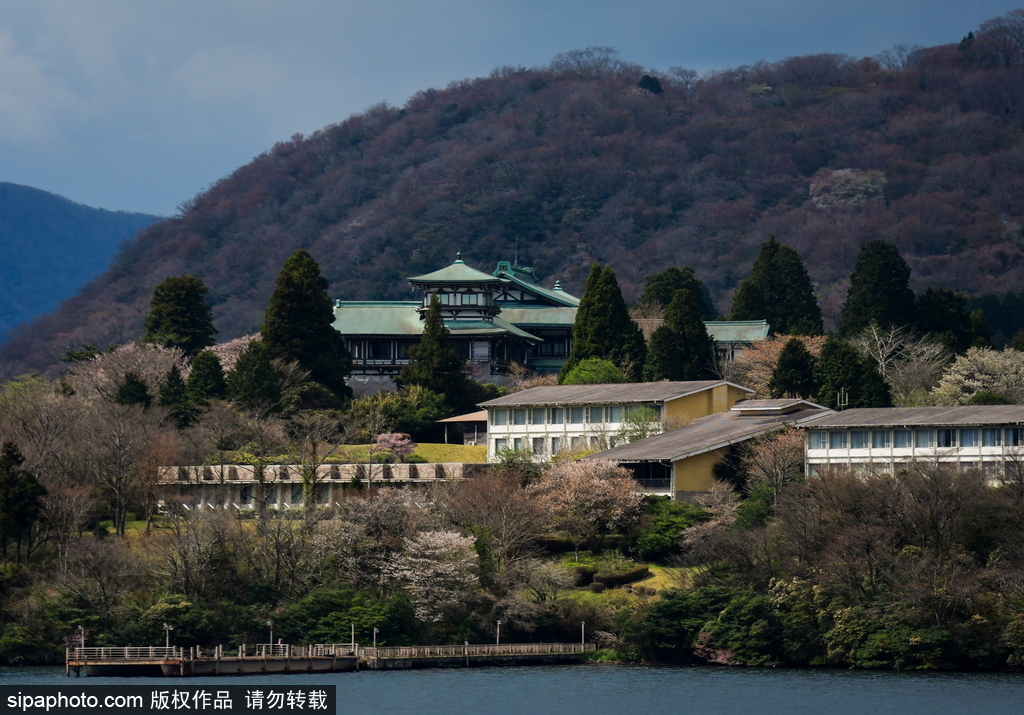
439,569
982,370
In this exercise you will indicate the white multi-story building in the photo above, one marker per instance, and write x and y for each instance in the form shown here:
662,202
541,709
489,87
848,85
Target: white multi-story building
883,439
550,419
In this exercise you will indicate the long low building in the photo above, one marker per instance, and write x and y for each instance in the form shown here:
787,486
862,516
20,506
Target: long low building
987,437
681,463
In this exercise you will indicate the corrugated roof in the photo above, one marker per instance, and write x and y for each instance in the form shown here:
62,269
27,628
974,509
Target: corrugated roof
540,316
378,318
923,416
484,327
605,394
737,331
458,272
703,435
775,405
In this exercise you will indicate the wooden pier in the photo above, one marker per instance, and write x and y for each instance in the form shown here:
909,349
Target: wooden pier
176,661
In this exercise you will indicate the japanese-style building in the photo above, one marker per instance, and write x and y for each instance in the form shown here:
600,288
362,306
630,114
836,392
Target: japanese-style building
495,319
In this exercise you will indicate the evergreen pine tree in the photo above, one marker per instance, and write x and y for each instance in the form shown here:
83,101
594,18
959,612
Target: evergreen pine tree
660,288
664,355
603,327
206,380
793,375
133,391
173,396
841,367
778,290
434,363
942,313
180,316
20,494
298,325
254,383
879,290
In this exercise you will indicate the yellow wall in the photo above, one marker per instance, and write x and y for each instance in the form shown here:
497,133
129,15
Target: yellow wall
707,402
694,474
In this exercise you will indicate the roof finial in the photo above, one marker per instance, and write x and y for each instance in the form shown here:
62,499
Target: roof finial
558,284
458,257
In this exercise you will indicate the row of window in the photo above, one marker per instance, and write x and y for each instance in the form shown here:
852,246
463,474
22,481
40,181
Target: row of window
454,299
543,446
922,438
588,414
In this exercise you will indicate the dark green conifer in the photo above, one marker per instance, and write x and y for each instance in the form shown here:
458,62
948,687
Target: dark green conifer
173,396
603,328
253,383
942,313
841,368
879,290
206,380
683,350
133,391
180,316
20,494
664,355
434,362
778,290
793,375
660,288
298,325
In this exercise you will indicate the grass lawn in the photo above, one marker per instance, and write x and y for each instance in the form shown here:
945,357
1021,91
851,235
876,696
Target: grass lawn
434,453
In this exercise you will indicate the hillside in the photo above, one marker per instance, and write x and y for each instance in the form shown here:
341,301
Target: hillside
50,247
576,163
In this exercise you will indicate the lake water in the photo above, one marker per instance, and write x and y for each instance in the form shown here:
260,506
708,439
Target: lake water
595,689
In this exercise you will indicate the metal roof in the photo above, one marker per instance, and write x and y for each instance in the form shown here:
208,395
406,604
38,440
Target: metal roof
607,393
736,331
480,416
495,326
377,318
970,415
457,272
706,434
540,317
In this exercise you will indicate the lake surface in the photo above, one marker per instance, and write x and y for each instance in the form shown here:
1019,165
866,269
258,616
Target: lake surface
595,689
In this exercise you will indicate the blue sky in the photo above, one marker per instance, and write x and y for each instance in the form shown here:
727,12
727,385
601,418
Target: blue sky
138,106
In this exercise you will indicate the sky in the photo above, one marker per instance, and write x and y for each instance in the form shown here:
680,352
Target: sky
139,106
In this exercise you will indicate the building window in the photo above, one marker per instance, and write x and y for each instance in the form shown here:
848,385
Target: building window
296,494
403,349
517,444
500,444
859,439
538,446
595,415
557,415
378,349
968,438
837,440
576,442
556,444
615,413
519,417
575,415
245,495
1014,437
442,298
924,438
817,439
469,298
880,439
499,417
945,438
537,416
901,439
991,437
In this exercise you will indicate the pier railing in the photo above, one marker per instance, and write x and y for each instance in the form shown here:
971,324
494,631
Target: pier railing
441,651
125,653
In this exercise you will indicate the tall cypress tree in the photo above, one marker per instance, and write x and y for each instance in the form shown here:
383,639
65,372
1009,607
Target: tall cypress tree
660,288
298,324
664,356
254,383
180,316
879,290
683,350
793,375
20,493
133,391
434,362
173,396
603,328
778,290
206,380
841,367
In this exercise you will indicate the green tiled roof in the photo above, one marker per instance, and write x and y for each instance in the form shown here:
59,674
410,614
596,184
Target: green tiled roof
736,331
540,317
483,327
525,278
399,318
457,272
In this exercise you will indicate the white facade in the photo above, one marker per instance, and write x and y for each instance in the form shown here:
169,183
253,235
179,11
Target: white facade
546,431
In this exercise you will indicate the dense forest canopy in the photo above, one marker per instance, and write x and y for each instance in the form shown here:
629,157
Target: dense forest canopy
583,161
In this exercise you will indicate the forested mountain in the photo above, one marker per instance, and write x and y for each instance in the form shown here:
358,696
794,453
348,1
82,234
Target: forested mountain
50,247
586,160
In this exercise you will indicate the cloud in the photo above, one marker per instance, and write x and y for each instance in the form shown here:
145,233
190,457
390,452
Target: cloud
33,102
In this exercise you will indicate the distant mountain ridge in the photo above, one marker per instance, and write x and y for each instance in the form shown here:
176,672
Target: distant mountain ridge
584,161
50,247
